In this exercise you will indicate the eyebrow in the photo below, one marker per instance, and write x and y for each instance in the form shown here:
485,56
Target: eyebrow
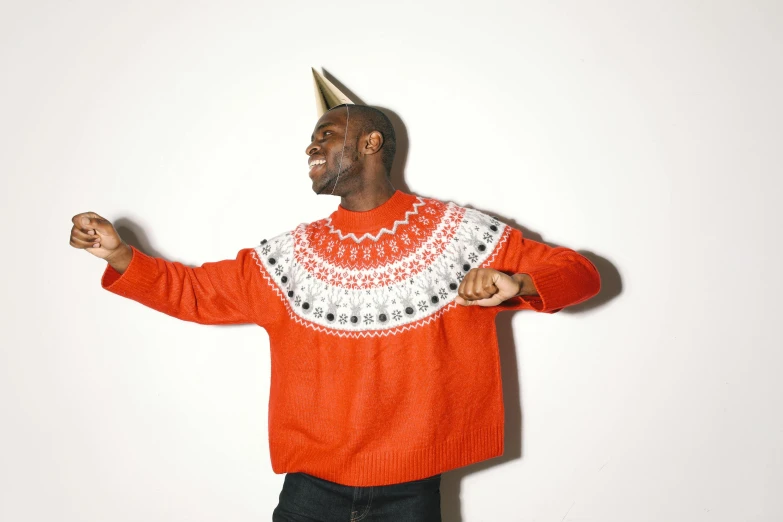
321,126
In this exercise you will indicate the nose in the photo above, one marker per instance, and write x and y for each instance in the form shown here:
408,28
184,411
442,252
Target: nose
311,149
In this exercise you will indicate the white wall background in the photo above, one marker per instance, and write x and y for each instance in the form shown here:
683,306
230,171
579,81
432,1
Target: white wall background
646,134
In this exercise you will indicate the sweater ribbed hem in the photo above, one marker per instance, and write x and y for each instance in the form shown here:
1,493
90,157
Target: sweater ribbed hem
394,467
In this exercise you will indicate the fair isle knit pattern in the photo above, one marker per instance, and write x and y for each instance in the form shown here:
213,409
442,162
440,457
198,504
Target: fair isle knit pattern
378,284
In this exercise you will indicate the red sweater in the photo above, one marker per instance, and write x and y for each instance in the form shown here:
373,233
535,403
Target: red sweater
378,376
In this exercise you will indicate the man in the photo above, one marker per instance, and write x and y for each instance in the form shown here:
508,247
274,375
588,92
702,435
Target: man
381,320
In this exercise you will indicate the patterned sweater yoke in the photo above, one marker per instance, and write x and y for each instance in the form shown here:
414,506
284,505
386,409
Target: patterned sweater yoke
379,280
378,375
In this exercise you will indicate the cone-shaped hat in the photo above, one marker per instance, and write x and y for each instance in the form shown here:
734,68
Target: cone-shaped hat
326,94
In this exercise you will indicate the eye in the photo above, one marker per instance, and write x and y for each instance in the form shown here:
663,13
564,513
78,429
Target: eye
326,133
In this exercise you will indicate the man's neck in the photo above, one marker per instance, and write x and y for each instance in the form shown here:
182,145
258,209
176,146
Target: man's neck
368,197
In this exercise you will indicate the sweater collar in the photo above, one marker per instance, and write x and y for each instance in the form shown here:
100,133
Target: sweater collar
383,216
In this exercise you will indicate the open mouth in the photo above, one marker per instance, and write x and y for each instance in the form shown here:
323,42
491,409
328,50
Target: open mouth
316,163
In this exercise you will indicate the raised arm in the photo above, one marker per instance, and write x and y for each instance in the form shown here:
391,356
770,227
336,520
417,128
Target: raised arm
214,293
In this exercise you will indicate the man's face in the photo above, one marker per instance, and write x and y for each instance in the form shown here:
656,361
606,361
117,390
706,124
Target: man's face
325,151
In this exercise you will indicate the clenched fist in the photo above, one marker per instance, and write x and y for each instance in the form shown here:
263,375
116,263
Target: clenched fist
97,236
488,287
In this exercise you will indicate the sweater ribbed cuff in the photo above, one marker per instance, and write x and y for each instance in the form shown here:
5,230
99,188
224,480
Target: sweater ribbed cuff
553,293
139,275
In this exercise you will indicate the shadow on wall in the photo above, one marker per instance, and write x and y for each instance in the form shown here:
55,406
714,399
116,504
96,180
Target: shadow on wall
611,287
133,234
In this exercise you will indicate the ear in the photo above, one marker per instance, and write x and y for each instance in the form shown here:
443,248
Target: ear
372,143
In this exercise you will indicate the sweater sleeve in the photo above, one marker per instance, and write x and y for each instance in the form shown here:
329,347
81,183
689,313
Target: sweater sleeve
221,292
561,276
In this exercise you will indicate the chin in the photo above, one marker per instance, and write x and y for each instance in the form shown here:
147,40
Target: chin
321,188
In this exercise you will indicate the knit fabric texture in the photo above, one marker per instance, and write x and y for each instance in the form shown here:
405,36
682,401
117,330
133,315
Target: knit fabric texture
378,375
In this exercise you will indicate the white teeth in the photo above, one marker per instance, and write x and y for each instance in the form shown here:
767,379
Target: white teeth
317,162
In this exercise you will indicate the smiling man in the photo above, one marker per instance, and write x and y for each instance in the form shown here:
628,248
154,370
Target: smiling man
381,321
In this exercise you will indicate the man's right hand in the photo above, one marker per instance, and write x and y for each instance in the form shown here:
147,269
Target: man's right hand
97,236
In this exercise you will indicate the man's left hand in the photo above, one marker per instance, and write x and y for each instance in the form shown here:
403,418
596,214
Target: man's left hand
488,287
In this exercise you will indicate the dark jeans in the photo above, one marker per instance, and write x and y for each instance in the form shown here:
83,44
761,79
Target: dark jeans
306,498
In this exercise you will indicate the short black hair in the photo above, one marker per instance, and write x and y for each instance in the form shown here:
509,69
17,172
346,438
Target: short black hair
372,119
